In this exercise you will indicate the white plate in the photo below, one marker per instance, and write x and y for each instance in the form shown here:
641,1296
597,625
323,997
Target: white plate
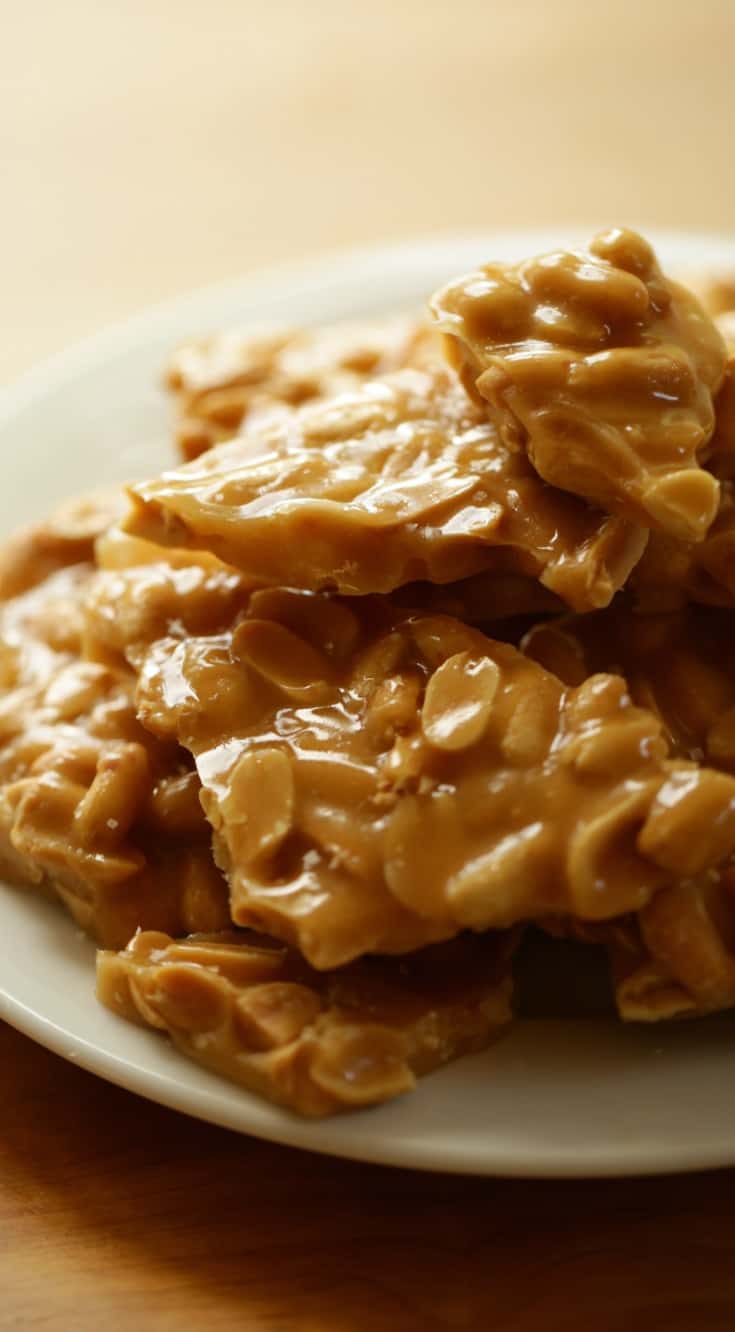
553,1098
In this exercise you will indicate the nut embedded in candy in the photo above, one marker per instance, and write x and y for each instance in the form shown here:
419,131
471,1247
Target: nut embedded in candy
458,700
92,807
427,780
602,370
401,480
264,701
223,382
67,537
316,1042
676,958
680,665
671,573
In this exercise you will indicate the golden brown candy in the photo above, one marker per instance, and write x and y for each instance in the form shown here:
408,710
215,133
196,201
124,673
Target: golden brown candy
676,958
378,780
602,370
65,538
315,1042
680,665
483,598
377,775
399,481
92,807
221,382
673,573
147,592
40,634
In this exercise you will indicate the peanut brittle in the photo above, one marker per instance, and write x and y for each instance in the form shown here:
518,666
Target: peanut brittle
484,598
144,593
680,665
602,370
672,573
92,807
317,1042
40,634
220,382
65,538
377,781
400,481
261,702
677,957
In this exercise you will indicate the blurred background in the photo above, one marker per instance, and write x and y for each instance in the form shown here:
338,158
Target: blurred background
149,146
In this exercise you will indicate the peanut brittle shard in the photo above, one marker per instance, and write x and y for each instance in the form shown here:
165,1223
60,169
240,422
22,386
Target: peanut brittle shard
221,382
94,809
316,1042
378,780
601,370
400,481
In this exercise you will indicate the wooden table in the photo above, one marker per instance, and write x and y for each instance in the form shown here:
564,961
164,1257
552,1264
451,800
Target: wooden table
114,1210
149,148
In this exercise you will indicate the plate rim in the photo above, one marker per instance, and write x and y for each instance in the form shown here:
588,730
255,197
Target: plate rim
96,346
288,1130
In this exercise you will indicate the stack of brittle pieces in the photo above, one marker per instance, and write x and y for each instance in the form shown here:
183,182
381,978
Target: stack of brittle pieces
429,640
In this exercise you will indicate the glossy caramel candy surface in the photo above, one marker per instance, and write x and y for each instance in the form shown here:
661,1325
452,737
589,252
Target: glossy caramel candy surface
402,480
315,1042
602,370
379,780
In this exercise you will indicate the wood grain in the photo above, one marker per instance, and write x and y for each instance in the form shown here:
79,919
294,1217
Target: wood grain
113,1208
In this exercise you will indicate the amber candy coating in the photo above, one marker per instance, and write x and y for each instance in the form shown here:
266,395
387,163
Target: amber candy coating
402,480
378,780
678,959
602,370
672,571
66,537
92,807
676,956
679,664
316,1042
221,382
